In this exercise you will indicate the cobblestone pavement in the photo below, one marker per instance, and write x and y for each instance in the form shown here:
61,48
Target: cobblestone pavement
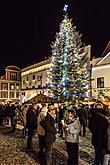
12,150
86,152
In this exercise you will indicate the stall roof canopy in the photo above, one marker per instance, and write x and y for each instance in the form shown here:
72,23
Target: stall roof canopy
43,98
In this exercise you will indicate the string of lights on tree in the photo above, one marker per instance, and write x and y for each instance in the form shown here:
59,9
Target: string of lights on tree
68,77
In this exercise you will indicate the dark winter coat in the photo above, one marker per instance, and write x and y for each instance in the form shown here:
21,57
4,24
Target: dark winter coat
50,130
98,126
31,119
83,116
13,111
1,115
7,111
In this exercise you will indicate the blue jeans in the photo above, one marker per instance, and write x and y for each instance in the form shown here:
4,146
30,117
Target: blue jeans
101,156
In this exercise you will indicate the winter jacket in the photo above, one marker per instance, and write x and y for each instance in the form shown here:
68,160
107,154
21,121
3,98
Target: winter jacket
83,116
40,129
72,134
31,119
108,139
50,130
98,127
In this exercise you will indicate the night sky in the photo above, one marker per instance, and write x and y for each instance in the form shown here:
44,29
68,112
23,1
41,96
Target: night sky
28,27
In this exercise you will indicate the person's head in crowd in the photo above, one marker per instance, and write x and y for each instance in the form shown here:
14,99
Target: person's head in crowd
92,105
52,110
71,113
13,106
25,106
43,104
83,106
34,105
99,108
74,107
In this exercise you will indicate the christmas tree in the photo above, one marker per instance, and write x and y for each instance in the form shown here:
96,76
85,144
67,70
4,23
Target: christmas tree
68,76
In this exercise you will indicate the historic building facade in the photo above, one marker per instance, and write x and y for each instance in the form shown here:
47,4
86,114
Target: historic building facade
101,77
34,80
10,85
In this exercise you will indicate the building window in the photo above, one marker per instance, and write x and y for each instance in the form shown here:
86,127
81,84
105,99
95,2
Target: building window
39,86
4,94
4,86
23,93
33,77
17,86
17,94
100,82
39,78
23,82
13,76
12,86
12,94
30,83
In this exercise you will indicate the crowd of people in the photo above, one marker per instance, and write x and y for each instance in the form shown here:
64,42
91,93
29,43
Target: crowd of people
70,123
67,122
9,113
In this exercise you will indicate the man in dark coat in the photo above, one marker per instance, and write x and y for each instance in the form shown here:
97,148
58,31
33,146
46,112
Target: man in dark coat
7,110
50,132
98,127
62,118
1,115
83,116
31,124
13,117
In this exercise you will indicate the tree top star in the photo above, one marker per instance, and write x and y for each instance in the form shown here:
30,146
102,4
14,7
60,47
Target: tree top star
65,8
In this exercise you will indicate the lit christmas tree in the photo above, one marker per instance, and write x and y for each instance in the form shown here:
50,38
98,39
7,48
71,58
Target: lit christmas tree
68,76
